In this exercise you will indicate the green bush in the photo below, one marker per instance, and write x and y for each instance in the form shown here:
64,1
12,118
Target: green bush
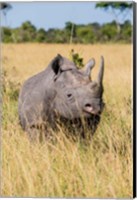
71,33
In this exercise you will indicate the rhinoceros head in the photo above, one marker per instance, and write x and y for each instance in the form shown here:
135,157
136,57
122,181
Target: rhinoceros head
76,94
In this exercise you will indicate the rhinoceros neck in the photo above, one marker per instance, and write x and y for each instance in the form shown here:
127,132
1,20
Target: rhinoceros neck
44,78
48,75
37,85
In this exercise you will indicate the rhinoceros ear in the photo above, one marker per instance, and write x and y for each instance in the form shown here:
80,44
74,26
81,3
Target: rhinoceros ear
56,64
89,66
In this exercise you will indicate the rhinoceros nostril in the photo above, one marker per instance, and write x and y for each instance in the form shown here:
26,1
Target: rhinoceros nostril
88,108
88,105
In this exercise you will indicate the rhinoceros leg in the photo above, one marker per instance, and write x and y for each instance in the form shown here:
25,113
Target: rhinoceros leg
39,134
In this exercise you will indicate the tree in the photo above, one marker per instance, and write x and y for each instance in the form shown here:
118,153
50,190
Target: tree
85,34
5,7
70,30
108,32
41,35
116,8
28,26
127,31
7,34
27,32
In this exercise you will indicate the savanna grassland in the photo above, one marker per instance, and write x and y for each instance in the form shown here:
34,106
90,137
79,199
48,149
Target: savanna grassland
68,168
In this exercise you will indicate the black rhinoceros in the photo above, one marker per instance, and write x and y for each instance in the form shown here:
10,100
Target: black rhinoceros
61,90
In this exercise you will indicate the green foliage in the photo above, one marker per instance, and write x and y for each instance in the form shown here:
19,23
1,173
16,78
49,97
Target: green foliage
109,32
127,31
85,34
75,57
40,37
115,5
28,26
7,35
70,32
27,31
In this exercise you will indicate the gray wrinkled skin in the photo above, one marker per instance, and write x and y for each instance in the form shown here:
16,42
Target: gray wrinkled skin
64,91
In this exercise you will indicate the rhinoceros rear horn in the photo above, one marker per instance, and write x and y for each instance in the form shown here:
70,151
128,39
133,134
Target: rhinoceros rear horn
101,71
89,66
56,63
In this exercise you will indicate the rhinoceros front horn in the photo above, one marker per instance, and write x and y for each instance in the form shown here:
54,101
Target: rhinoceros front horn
101,72
89,66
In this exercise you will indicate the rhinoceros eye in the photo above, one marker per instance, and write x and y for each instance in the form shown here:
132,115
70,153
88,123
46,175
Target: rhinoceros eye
69,95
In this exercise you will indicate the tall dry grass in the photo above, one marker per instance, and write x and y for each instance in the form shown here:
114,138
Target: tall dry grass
68,168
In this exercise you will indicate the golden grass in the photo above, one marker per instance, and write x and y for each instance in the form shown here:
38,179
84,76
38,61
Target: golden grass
67,168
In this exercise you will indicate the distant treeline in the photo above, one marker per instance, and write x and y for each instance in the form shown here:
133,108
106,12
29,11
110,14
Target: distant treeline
71,33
